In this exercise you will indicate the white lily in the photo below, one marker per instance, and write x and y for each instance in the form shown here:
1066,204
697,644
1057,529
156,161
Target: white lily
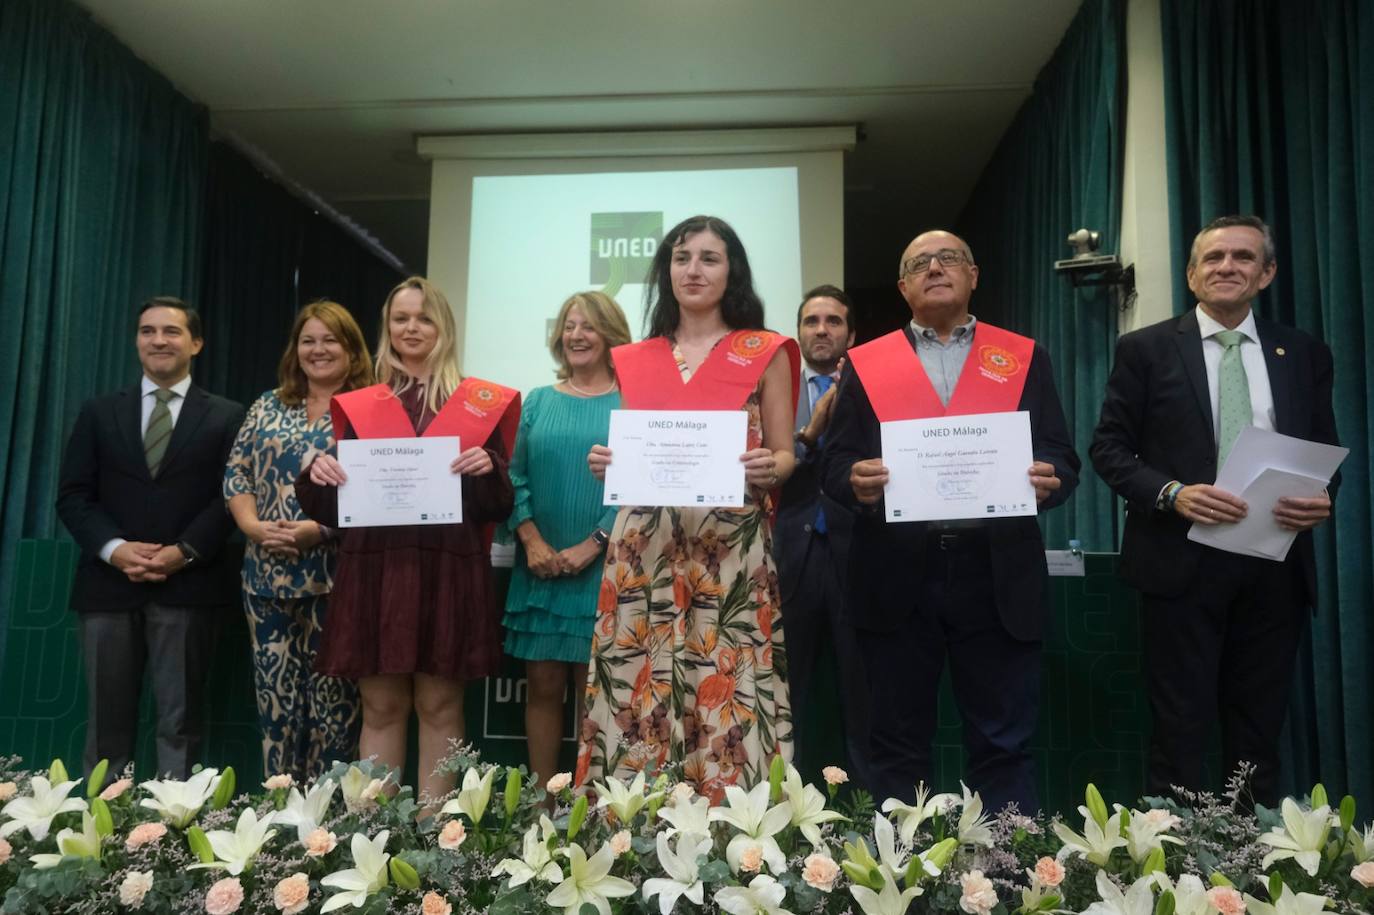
973,825
473,796
1363,844
179,802
1190,896
889,900
309,811
808,807
235,851
763,896
1139,898
365,877
681,867
691,818
757,824
1288,903
625,801
1096,843
72,844
911,816
894,856
1144,835
589,881
536,862
1302,838
36,811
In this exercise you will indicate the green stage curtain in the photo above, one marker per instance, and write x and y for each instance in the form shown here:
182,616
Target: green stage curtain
1057,169
1270,110
101,168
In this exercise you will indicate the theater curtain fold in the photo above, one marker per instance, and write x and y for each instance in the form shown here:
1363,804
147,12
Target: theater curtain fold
1270,110
1058,168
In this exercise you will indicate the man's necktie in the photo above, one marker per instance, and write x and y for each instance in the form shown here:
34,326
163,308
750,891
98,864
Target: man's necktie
1233,394
159,430
822,383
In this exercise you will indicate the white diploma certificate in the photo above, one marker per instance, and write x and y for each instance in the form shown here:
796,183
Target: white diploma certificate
395,481
676,458
955,467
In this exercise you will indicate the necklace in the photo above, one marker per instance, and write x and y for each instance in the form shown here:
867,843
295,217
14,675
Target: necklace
609,389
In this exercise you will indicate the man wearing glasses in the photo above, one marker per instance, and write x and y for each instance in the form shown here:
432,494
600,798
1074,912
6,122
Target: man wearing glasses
972,592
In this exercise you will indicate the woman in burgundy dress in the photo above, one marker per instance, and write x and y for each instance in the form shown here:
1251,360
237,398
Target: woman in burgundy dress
412,615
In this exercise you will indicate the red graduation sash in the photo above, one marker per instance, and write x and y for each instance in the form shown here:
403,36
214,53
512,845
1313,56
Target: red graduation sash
650,380
993,378
473,411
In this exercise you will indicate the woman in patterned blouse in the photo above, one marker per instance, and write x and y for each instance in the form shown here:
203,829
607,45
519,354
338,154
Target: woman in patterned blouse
307,720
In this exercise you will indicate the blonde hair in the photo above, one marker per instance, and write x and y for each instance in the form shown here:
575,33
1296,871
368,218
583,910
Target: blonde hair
442,362
605,317
292,385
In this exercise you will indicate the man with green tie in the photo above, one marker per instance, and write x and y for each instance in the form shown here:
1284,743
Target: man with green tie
1220,629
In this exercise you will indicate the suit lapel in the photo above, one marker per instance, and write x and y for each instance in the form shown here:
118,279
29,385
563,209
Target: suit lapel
1188,338
1280,378
129,419
803,404
192,413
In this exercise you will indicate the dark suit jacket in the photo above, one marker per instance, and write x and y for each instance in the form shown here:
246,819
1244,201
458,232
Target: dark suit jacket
105,491
801,497
1156,426
884,559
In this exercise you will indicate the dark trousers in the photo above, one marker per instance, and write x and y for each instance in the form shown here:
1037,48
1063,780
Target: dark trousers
115,648
813,623
996,681
1222,651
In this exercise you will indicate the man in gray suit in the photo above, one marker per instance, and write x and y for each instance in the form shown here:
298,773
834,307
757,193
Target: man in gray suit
811,540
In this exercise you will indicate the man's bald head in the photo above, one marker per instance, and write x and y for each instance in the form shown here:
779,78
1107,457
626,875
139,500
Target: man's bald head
937,277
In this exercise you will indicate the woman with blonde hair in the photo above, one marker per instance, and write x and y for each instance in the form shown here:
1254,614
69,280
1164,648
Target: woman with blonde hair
559,521
412,617
307,720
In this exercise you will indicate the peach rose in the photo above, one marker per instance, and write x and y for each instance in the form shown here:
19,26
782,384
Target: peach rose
7,791
834,775
434,904
115,789
559,782
144,834
979,898
279,782
752,859
452,835
620,842
1227,900
1363,874
292,894
320,842
224,897
683,793
1049,872
6,849
135,886
820,872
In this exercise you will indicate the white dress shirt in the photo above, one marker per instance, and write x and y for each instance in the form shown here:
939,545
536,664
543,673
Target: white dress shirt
1251,356
147,402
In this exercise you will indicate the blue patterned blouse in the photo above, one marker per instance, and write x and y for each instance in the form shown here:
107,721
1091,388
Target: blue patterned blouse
273,444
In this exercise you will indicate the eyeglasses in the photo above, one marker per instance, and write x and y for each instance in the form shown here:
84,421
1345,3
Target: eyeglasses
948,257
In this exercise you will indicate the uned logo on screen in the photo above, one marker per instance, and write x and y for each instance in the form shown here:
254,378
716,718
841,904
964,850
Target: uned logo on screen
623,246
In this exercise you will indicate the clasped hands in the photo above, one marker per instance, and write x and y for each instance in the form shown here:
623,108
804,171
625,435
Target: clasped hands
546,562
868,478
474,462
146,562
760,465
1205,504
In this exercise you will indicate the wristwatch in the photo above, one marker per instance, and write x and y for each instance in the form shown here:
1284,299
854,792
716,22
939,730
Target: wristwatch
601,538
188,553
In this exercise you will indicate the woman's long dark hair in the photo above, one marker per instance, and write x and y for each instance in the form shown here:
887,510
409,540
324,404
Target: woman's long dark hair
740,307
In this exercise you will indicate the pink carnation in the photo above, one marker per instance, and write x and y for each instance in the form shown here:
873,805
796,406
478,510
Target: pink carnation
1049,872
834,775
1161,820
434,904
558,783
1227,900
751,859
144,834
320,842
7,791
979,897
620,842
5,851
820,872
279,782
452,835
224,897
292,894
135,888
115,789
1363,874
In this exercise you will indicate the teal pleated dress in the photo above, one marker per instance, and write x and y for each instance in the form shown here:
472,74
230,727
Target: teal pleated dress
551,619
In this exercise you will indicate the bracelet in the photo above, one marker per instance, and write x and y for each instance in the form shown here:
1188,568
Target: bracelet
1170,495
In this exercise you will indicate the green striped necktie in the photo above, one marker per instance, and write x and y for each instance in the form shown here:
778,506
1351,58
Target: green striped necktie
1233,394
159,430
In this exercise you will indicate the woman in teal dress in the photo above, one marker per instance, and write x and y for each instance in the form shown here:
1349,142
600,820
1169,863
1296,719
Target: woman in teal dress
560,524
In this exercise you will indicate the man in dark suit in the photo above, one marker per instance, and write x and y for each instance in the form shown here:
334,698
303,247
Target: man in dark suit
140,493
811,544
1221,630
972,591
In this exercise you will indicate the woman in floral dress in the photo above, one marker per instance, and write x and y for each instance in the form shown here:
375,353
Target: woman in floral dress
688,666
